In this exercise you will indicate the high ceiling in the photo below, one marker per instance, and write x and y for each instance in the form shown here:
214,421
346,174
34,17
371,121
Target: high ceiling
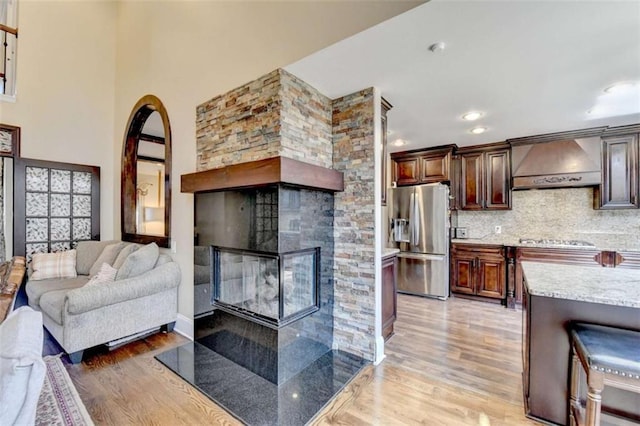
531,67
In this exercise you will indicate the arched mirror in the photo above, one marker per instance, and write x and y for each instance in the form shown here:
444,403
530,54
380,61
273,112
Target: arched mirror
146,174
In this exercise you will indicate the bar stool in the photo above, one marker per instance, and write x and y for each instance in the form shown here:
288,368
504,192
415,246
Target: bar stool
609,356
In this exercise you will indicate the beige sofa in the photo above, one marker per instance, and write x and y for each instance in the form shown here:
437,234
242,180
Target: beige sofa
81,316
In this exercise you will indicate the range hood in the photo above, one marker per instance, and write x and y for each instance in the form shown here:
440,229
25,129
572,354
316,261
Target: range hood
556,163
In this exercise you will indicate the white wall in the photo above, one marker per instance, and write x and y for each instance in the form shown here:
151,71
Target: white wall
188,52
66,88
83,65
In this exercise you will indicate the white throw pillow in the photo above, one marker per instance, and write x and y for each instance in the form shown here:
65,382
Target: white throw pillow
106,274
53,265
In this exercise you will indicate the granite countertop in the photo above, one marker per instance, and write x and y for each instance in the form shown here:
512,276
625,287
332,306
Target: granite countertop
610,286
601,242
489,240
387,252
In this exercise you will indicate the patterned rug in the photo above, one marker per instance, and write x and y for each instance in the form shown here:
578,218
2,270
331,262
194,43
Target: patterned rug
59,403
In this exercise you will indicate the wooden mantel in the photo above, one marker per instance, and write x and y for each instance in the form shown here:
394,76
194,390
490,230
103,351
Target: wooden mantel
261,173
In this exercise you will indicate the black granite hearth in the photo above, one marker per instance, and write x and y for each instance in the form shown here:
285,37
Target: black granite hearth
262,360
255,400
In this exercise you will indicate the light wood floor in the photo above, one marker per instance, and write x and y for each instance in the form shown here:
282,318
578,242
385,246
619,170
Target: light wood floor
449,363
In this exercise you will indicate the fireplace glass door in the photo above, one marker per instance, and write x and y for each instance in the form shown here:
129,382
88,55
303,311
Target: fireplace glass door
268,288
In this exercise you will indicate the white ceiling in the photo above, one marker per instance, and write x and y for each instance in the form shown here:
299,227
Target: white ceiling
532,67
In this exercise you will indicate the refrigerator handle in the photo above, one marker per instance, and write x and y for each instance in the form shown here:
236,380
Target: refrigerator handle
411,217
415,211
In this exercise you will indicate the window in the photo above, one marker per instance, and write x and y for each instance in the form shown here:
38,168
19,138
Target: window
8,47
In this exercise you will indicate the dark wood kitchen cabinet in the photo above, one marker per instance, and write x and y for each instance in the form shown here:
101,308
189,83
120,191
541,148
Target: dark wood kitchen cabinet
389,295
405,170
478,270
422,166
484,178
620,186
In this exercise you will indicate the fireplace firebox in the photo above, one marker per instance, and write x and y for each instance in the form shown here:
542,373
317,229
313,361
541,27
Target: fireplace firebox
271,289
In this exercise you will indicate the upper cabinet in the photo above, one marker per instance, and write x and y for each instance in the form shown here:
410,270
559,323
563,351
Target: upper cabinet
484,177
422,166
481,176
619,188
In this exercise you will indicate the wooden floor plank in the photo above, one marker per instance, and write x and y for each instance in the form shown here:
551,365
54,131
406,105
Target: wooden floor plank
450,363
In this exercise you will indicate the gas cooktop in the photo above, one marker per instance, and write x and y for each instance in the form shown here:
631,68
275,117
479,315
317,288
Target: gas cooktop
555,242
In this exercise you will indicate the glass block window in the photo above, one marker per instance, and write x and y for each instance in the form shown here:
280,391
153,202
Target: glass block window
60,206
267,219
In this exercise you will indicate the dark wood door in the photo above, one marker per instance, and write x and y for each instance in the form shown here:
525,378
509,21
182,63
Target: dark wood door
498,174
463,275
406,171
389,296
471,181
619,187
491,277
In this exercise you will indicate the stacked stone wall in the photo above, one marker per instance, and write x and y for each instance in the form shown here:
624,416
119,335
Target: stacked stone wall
241,125
354,224
306,122
275,115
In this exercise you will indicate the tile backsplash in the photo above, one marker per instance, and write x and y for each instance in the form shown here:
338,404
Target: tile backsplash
556,213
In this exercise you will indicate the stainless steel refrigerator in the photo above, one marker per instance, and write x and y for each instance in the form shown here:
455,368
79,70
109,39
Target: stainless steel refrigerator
419,227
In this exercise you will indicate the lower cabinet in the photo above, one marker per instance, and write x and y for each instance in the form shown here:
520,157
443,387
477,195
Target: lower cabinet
478,270
389,295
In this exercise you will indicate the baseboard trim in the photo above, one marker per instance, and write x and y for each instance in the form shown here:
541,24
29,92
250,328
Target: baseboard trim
379,355
184,326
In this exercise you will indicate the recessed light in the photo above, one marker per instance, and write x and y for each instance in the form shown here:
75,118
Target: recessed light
472,115
621,87
399,142
478,130
436,47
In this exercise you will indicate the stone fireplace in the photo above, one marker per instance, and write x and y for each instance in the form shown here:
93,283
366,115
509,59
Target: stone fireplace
280,249
254,233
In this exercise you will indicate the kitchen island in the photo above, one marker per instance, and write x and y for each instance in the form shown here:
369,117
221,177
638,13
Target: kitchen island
555,295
